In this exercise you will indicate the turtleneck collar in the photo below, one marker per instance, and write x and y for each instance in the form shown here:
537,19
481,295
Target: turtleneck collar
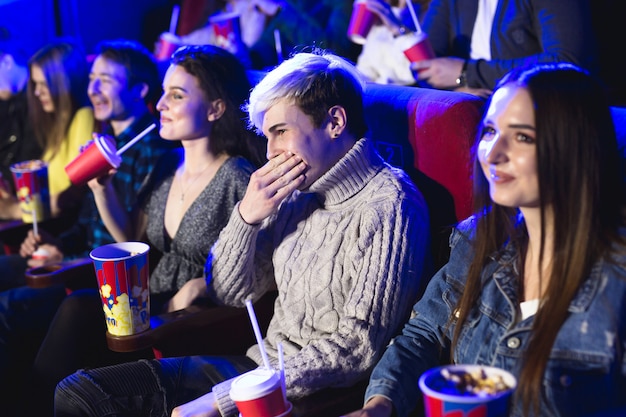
349,175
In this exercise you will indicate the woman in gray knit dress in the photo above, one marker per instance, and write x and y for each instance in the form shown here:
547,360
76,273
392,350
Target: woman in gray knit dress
187,201
190,196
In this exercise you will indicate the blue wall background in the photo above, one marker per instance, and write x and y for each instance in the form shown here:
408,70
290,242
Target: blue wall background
30,24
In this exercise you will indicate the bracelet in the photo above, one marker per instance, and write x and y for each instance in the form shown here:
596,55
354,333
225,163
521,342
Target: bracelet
462,80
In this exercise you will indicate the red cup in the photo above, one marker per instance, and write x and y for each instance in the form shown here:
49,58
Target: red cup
361,22
417,47
258,393
96,159
442,397
122,272
40,254
226,29
32,189
165,47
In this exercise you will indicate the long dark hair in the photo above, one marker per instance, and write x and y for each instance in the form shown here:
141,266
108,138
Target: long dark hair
64,66
222,76
580,181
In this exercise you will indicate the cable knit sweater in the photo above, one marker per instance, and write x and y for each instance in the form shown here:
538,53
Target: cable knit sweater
348,256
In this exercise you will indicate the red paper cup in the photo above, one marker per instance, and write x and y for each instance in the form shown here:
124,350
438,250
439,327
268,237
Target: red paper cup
95,160
442,398
40,254
258,393
32,189
122,272
417,47
165,46
361,22
226,29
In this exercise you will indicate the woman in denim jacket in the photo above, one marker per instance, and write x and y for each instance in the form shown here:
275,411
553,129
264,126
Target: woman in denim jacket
536,282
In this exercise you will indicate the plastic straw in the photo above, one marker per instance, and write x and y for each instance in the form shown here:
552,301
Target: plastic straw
35,227
409,4
278,45
257,333
174,19
281,364
135,139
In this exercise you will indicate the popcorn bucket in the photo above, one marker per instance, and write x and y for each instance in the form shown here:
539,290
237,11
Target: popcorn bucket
227,30
122,273
33,193
456,391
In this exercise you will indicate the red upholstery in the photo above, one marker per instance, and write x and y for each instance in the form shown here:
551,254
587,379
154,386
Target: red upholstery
194,14
429,134
440,127
443,135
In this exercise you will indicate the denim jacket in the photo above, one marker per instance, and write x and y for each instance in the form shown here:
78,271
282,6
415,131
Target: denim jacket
586,372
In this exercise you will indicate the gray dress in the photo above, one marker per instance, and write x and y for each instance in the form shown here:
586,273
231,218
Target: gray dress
184,255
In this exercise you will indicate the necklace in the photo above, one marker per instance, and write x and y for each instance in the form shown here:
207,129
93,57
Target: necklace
183,190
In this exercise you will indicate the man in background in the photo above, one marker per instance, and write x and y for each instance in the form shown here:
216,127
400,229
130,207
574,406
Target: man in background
17,139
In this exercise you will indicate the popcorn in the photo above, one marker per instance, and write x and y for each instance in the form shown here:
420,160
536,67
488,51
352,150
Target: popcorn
463,382
31,165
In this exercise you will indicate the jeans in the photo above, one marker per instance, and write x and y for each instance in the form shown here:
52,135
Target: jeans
75,339
12,270
25,314
150,388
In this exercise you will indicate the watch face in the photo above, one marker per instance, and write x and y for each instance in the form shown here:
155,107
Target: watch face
461,81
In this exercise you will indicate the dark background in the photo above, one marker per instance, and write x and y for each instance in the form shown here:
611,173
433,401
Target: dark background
30,24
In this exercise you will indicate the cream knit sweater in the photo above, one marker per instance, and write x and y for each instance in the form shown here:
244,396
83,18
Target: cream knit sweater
348,256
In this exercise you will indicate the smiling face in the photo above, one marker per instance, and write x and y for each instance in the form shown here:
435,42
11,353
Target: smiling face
108,90
185,109
40,87
507,150
288,129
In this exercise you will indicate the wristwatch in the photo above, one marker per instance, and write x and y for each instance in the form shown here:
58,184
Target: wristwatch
462,80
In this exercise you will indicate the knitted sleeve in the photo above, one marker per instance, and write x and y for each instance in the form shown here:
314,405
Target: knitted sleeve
239,266
389,261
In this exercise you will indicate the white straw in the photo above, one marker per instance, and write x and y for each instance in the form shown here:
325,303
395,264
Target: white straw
257,333
278,45
34,214
135,139
281,364
174,19
409,4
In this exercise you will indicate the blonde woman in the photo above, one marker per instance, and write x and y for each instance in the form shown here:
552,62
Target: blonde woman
60,116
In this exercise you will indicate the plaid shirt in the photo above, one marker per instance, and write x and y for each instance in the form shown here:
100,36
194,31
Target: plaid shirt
137,162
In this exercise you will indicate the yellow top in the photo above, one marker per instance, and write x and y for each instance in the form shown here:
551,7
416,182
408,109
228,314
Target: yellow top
79,133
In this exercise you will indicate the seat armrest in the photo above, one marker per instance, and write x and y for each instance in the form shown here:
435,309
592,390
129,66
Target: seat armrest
209,329
78,273
12,234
